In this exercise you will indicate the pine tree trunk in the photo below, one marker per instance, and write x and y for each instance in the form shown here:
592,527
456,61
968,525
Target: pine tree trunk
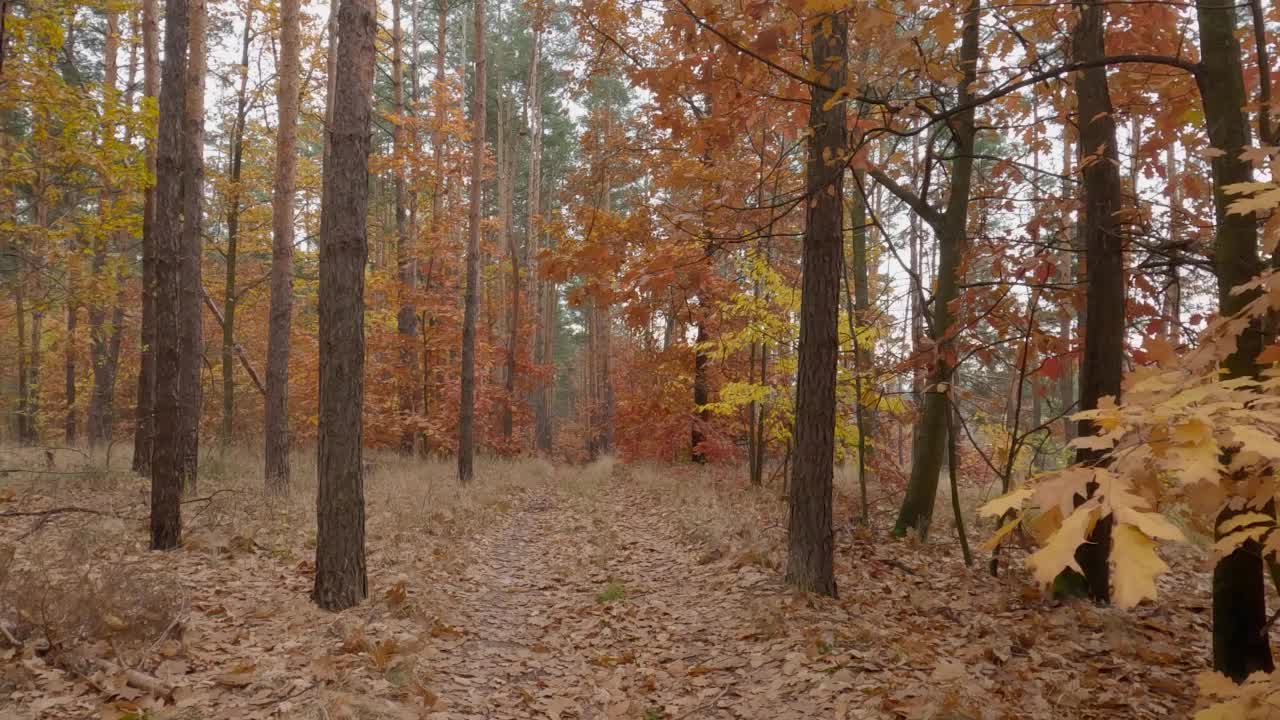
541,396
143,433
466,408
191,315
952,232
406,261
1240,642
810,537
233,240
341,580
276,431
166,459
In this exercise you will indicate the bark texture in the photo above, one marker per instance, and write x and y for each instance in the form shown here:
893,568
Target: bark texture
276,435
1103,352
143,416
166,460
341,580
1240,642
810,540
466,408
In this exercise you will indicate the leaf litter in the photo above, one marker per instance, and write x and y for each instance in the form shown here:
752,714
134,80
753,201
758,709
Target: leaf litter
597,593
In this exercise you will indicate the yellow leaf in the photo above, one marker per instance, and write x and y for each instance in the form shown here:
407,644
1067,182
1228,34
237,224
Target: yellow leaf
1216,685
994,541
1257,441
1235,522
1136,563
1004,503
1229,543
1059,553
1153,525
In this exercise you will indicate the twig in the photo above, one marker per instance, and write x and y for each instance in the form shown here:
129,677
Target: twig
137,679
51,511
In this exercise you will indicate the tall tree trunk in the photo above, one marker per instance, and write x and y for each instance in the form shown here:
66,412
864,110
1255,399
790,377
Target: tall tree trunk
1240,641
341,581
952,232
1066,274
69,346
276,431
701,395
513,254
233,239
166,457
1100,366
810,537
541,395
466,407
20,324
143,433
104,344
406,261
191,315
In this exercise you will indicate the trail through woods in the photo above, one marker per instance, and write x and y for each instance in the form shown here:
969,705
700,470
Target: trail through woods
597,593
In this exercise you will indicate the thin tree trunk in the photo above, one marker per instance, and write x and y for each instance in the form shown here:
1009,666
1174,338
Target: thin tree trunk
466,408
406,261
166,459
191,316
233,239
276,431
541,395
341,579
810,537
143,434
1240,641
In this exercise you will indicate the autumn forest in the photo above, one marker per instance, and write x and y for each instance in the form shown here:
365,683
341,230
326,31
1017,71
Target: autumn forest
649,359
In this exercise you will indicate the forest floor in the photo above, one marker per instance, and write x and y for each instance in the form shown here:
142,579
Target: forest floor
608,591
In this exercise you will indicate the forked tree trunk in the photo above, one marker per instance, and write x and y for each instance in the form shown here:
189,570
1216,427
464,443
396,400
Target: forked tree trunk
466,407
952,232
1100,366
1240,640
341,580
276,432
166,458
810,537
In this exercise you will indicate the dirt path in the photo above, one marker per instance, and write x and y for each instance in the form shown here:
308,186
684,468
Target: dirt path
593,608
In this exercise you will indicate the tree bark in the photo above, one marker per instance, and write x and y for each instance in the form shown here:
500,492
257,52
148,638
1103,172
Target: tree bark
191,315
952,232
810,538
233,239
341,580
143,433
1240,642
166,460
1103,353
541,396
466,407
276,431
406,261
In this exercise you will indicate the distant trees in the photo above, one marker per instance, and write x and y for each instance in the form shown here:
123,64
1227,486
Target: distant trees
341,579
